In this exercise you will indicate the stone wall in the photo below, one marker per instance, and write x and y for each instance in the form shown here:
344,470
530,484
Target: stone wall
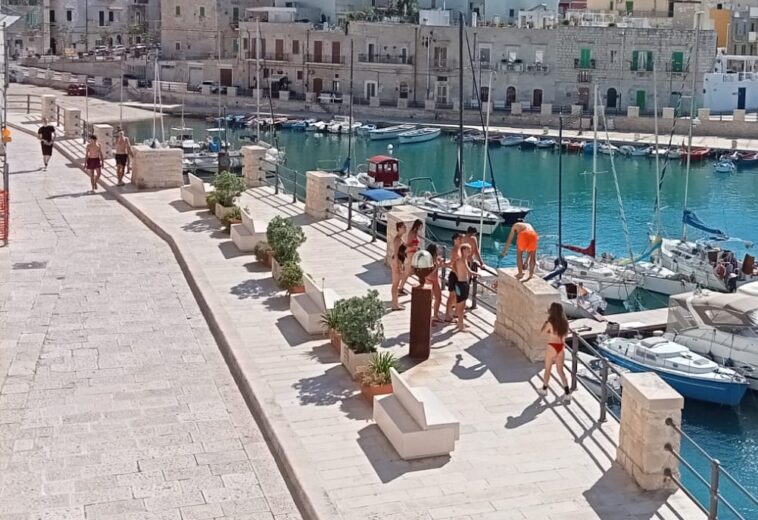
156,167
252,165
317,194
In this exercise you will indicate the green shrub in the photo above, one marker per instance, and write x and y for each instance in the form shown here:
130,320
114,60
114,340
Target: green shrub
284,238
262,251
378,370
211,199
235,214
291,276
361,322
227,186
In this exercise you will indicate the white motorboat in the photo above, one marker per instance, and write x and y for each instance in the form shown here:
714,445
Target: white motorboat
609,282
546,143
183,138
364,130
689,373
635,151
608,149
350,185
656,278
530,142
490,199
724,166
511,140
419,135
578,301
316,126
390,132
670,153
206,161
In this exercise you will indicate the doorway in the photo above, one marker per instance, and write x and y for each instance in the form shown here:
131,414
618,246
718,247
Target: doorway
318,47
611,98
318,85
279,50
371,50
741,98
336,58
537,97
54,46
225,77
641,94
510,95
584,97
370,89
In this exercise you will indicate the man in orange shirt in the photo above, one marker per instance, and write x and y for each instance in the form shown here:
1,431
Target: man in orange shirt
527,240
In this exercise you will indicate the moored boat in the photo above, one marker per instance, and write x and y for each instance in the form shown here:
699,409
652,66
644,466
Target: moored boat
724,166
529,142
511,140
747,160
698,154
546,143
390,132
635,151
489,198
575,146
419,135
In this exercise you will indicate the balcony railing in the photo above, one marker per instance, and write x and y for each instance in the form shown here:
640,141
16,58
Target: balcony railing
326,58
443,65
584,77
677,69
391,59
586,65
533,68
268,56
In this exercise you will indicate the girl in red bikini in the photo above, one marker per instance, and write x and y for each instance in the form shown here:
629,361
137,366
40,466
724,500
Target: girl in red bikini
557,328
411,246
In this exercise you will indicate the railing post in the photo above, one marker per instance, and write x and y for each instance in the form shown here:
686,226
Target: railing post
294,187
373,224
276,179
443,271
28,103
349,212
574,359
474,299
713,506
603,391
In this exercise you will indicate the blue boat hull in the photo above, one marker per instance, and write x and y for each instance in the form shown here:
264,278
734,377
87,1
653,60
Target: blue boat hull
725,393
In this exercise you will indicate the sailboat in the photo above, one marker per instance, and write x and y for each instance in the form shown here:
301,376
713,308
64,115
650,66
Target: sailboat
456,213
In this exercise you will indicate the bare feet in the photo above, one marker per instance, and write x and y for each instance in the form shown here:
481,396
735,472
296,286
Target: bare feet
519,276
463,329
528,278
398,308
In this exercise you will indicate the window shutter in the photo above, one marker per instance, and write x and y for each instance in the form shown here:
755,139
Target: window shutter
635,59
649,63
677,61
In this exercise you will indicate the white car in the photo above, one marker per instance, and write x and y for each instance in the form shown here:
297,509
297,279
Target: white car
118,50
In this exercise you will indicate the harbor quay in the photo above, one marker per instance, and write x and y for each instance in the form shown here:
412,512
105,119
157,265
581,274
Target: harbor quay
516,455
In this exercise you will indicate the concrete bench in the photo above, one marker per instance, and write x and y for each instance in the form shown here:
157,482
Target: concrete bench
309,307
194,193
244,235
415,422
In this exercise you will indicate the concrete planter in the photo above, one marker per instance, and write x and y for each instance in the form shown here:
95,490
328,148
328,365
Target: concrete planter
352,361
222,211
276,269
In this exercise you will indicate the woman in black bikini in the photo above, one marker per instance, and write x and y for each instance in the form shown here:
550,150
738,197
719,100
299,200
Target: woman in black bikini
557,328
397,263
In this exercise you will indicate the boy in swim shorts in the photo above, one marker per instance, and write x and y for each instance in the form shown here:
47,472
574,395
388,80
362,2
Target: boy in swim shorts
527,240
462,284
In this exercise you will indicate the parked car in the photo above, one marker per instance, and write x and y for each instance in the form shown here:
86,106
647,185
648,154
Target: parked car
118,50
212,84
77,89
100,50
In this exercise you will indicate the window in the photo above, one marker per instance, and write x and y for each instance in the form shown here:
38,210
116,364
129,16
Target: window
539,57
629,6
584,58
202,11
236,45
101,18
300,75
111,16
295,47
178,46
178,10
677,61
235,14
52,16
403,90
613,56
245,43
69,15
511,13
642,60
484,55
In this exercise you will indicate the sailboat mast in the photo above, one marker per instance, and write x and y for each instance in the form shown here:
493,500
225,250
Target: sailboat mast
258,80
484,159
594,169
460,105
657,158
692,119
350,117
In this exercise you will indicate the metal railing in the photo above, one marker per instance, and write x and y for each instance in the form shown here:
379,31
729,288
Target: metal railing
5,203
392,59
25,103
325,58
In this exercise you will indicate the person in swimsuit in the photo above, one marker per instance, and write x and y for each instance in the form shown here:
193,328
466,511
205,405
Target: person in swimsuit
46,134
462,274
123,151
397,262
451,279
93,157
411,244
528,240
557,328
476,255
433,278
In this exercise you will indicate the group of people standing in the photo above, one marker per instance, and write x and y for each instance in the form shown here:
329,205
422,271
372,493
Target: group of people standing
93,154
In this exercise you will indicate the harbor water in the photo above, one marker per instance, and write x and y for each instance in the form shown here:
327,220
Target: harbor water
725,201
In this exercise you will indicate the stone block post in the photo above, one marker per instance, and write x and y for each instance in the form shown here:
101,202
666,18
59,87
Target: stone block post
521,312
252,165
516,108
667,113
704,114
429,104
231,91
72,122
546,109
156,167
407,215
284,95
739,114
402,103
104,134
646,402
576,110
318,193
48,107
632,112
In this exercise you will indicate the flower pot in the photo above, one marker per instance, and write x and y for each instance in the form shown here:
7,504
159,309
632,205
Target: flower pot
298,289
369,391
269,261
222,211
276,269
352,361
335,338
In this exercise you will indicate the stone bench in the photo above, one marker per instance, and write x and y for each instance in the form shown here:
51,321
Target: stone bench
415,422
194,193
498,105
309,307
244,235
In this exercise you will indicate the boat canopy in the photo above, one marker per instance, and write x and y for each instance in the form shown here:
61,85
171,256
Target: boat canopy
479,185
719,310
379,195
691,219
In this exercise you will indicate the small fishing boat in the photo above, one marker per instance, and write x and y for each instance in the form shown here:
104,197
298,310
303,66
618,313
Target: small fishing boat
590,377
747,160
383,172
183,138
674,153
489,198
698,154
390,132
469,136
575,146
511,140
419,135
546,143
690,374
589,148
529,142
318,126
724,166
608,149
635,151
578,301
364,130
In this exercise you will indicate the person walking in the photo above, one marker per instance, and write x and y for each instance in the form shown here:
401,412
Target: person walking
556,327
46,135
462,285
397,264
123,151
93,157
433,278
451,277
412,242
527,241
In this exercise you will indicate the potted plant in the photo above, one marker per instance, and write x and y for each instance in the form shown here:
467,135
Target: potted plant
331,320
291,278
375,378
233,217
211,199
284,238
262,252
227,186
362,330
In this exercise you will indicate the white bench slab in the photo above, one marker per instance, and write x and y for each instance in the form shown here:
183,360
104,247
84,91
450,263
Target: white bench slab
309,307
415,421
194,193
244,235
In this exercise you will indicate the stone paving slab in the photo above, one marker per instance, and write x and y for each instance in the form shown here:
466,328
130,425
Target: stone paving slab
115,402
518,456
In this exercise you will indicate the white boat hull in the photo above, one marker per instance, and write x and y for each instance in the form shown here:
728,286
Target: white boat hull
419,137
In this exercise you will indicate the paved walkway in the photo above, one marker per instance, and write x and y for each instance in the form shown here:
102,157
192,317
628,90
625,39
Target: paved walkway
115,402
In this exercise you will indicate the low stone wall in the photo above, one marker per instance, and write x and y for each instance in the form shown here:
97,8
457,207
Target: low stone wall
317,194
156,167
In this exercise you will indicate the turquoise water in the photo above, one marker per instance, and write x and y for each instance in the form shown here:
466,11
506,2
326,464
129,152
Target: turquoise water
721,200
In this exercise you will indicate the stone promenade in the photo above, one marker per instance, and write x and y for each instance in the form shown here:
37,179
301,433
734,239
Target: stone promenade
519,457
115,403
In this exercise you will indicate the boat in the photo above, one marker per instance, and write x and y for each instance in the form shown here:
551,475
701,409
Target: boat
364,130
511,140
697,154
658,279
208,161
546,143
342,125
634,151
578,301
608,149
389,132
454,215
419,135
490,199
470,136
183,138
529,142
724,166
575,146
349,185
689,373
747,160
383,171
674,153
318,126
590,377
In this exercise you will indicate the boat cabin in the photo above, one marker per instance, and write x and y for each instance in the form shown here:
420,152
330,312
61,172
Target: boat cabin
384,170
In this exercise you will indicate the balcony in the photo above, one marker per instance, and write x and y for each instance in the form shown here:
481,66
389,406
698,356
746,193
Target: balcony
752,37
677,68
267,56
586,65
389,59
443,65
584,77
326,58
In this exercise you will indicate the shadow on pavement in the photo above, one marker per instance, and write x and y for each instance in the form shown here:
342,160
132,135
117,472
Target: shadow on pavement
291,330
528,414
326,389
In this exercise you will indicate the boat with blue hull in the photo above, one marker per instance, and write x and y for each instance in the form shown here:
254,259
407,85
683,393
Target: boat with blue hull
690,374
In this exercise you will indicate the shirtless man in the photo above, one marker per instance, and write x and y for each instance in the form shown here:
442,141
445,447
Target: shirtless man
123,151
93,155
527,241
462,284
457,241
476,255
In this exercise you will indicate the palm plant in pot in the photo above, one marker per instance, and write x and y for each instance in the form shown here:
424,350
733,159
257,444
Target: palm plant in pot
291,278
233,217
375,378
362,330
262,252
331,320
227,187
284,238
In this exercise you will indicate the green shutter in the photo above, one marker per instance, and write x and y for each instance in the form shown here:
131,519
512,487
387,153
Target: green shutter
635,59
649,62
677,61
641,99
629,6
584,58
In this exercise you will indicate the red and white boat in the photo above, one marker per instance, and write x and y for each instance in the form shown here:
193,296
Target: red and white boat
697,154
575,146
